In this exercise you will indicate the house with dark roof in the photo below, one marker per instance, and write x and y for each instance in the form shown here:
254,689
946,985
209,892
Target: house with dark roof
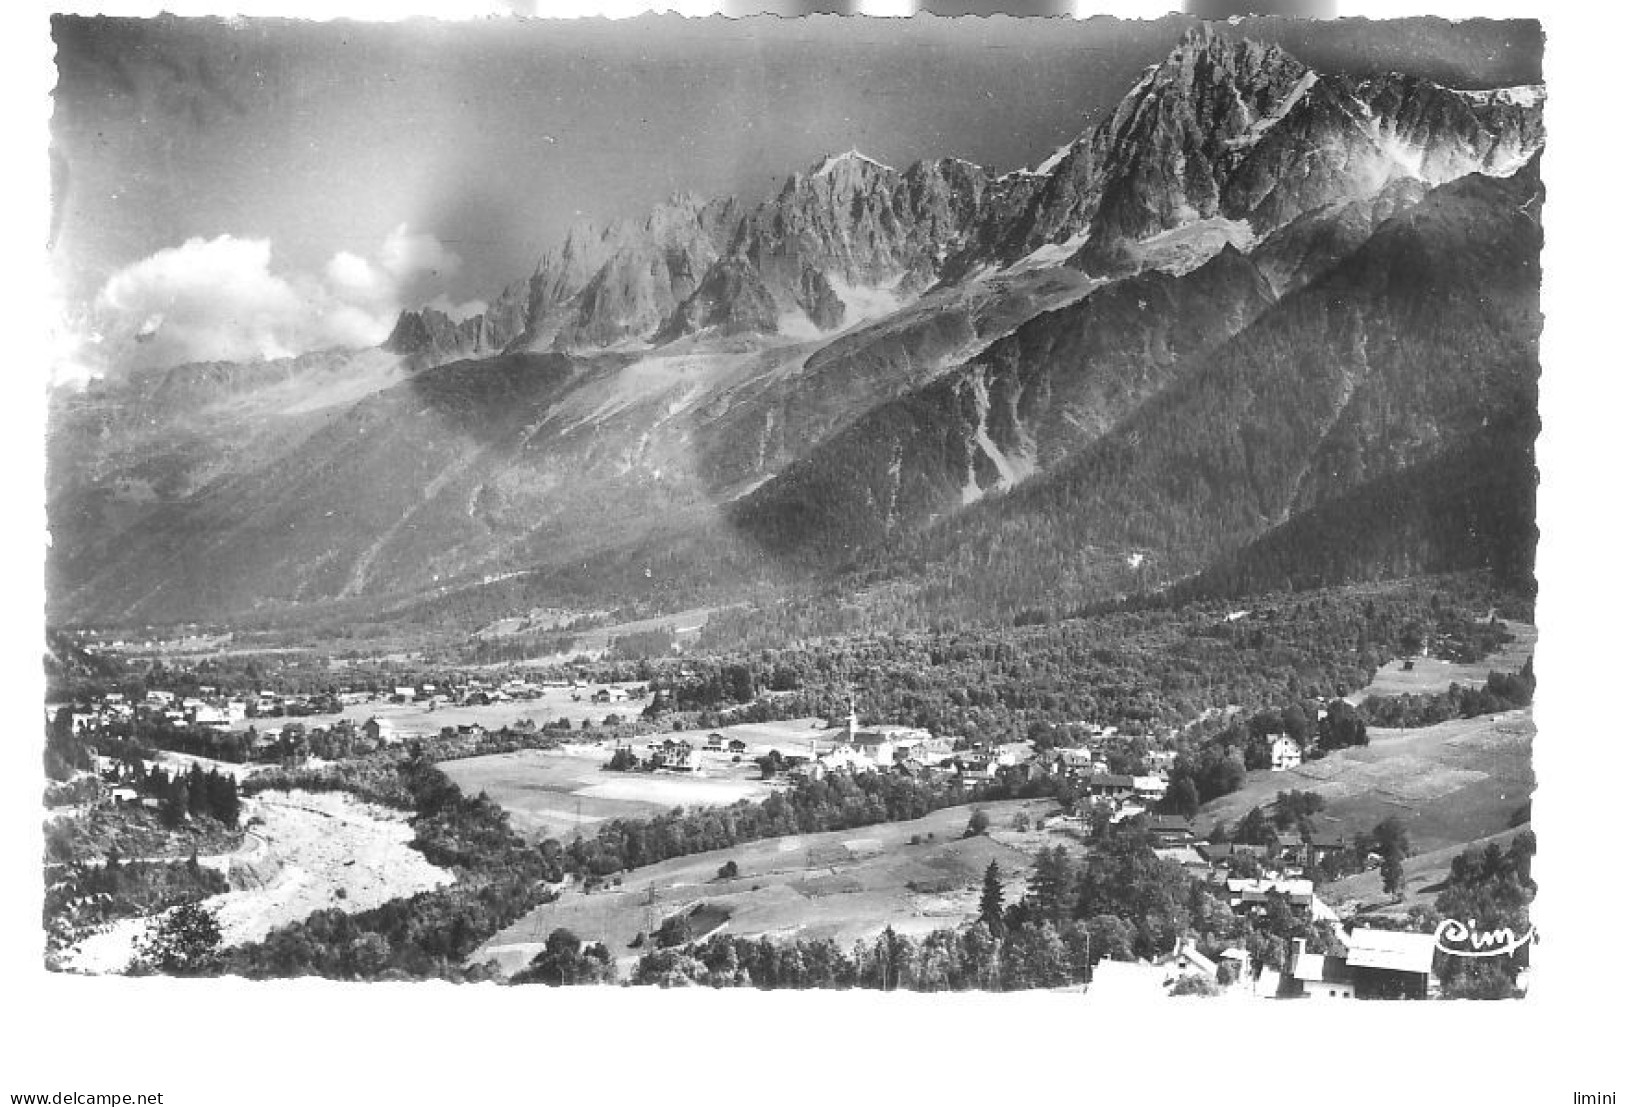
1170,830
1110,785
1247,895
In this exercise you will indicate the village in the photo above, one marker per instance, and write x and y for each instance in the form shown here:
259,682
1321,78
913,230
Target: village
563,755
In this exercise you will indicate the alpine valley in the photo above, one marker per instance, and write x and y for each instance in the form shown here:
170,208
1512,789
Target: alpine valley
1260,327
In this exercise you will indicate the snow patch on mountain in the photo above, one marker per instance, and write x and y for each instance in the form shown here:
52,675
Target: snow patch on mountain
1523,96
828,165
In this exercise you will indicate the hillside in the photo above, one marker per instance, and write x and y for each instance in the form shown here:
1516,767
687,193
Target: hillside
1258,320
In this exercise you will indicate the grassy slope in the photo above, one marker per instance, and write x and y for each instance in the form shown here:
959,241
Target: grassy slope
845,884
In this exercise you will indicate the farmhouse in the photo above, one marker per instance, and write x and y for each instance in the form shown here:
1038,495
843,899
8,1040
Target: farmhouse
1151,788
1249,894
1285,753
1186,960
1319,845
1170,830
1110,785
1391,964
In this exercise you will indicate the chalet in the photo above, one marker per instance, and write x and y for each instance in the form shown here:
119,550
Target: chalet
1285,753
1319,845
677,757
122,796
609,695
1391,964
714,741
1151,788
1186,960
737,745
404,694
1170,830
1223,853
1110,785
1247,895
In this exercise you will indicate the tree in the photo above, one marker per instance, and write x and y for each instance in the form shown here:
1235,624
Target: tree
1391,837
1051,888
1393,874
728,871
991,908
1194,984
183,942
676,930
174,810
1182,798
979,822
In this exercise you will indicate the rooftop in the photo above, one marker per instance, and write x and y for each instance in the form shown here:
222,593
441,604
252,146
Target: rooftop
1397,950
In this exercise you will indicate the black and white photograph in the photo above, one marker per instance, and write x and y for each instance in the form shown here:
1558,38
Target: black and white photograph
942,506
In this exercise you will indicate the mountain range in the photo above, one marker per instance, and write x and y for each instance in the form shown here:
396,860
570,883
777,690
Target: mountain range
1260,326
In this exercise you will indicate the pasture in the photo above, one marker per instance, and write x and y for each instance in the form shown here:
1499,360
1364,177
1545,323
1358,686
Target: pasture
554,793
846,885
1428,675
1425,874
1452,783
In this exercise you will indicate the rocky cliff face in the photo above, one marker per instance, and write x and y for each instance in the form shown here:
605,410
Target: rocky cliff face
1224,142
1235,131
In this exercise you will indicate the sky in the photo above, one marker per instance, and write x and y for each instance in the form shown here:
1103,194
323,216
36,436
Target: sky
232,189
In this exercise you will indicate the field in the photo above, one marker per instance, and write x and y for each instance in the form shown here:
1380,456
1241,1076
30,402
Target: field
593,641
1425,874
845,885
414,719
1453,783
1430,674
552,793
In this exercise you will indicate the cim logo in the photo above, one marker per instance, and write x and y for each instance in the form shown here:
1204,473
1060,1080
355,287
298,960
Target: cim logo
1465,940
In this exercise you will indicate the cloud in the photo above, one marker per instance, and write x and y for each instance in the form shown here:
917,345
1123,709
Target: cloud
457,312
404,255
224,299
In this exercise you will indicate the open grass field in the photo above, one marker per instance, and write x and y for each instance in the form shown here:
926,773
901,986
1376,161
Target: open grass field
419,720
1430,674
551,793
1425,874
845,885
1451,784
